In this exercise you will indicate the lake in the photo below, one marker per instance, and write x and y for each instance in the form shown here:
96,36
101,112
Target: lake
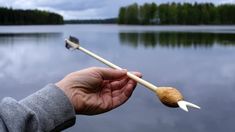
198,60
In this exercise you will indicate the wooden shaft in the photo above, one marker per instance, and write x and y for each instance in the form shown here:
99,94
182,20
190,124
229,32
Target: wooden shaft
132,76
100,58
143,82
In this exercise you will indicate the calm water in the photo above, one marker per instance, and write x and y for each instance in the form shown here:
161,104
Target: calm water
199,61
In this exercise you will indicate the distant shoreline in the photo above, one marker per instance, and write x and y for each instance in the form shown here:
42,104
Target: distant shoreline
92,21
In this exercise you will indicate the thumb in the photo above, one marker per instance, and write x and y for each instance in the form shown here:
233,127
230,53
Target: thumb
111,74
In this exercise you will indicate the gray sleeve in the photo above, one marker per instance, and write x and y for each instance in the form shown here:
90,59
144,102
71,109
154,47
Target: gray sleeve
47,110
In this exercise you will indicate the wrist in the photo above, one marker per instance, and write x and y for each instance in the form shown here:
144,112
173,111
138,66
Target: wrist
74,95
64,87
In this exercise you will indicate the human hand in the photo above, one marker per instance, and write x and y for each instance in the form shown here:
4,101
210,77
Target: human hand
97,90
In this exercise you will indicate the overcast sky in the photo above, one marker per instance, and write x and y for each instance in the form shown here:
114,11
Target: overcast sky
85,9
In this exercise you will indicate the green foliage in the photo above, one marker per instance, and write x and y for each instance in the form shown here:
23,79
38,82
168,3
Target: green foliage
132,14
9,16
147,13
177,13
122,16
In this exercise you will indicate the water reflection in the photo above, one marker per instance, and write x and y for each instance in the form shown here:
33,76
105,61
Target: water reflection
176,39
14,38
25,60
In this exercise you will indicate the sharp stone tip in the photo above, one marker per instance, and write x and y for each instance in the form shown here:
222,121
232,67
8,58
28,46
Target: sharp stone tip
193,105
184,104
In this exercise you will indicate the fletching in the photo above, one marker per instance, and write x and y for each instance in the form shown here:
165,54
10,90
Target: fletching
72,39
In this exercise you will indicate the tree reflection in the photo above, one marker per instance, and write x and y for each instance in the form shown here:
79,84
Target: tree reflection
176,39
15,38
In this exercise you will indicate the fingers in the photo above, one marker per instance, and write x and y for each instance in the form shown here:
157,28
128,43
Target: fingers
129,88
122,95
118,84
125,90
110,74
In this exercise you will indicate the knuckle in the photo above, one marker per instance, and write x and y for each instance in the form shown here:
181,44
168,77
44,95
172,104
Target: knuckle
94,68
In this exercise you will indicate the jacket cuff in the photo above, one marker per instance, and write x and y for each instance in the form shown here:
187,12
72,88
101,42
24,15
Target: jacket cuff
52,107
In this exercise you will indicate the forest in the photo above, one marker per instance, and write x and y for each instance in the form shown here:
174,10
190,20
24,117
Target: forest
177,14
9,16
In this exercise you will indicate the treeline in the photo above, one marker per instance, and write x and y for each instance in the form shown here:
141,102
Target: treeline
92,21
177,13
9,16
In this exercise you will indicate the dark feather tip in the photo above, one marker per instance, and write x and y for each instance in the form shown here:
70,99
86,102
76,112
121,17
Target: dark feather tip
74,39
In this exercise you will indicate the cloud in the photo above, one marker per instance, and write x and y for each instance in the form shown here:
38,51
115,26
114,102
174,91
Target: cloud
85,9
